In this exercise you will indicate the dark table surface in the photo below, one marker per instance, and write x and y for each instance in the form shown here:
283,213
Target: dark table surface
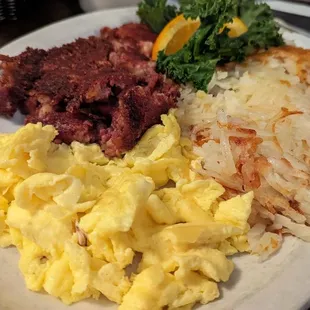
42,12
38,14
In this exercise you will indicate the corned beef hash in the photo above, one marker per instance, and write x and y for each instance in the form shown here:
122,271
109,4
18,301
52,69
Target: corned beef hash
101,90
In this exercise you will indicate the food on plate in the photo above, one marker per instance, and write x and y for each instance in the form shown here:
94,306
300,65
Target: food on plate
189,174
101,89
251,132
230,30
106,90
179,30
175,34
248,109
78,219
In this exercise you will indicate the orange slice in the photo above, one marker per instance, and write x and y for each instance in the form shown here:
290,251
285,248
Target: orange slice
175,34
236,28
179,30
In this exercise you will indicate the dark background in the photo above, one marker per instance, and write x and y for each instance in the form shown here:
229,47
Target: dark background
38,13
35,14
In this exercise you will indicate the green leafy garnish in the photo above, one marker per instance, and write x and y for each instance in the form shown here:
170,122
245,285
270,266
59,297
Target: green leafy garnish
189,64
209,47
156,13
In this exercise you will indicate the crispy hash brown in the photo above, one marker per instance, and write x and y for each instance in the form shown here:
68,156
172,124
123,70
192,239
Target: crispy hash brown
298,59
101,89
251,132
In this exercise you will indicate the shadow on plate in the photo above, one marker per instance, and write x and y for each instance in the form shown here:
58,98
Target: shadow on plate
234,279
101,302
89,303
18,119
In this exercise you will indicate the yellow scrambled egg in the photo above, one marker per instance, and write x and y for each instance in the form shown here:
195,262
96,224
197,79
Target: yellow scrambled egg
78,220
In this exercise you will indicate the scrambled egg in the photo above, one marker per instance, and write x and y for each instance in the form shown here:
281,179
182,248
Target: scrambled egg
78,220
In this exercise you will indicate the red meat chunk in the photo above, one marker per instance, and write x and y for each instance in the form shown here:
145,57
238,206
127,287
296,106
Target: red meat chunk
101,89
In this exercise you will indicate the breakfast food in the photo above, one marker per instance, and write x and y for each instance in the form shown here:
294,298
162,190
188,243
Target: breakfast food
78,219
251,132
101,89
229,30
189,174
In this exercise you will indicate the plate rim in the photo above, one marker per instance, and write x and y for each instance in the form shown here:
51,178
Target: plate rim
68,20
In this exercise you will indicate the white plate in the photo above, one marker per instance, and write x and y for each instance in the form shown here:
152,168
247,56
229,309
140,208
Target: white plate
283,282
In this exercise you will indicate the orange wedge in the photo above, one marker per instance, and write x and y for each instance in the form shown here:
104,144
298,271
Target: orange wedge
175,34
179,30
236,28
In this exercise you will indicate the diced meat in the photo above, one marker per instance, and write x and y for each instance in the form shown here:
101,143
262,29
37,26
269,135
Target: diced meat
131,38
100,89
18,76
133,117
71,127
7,107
